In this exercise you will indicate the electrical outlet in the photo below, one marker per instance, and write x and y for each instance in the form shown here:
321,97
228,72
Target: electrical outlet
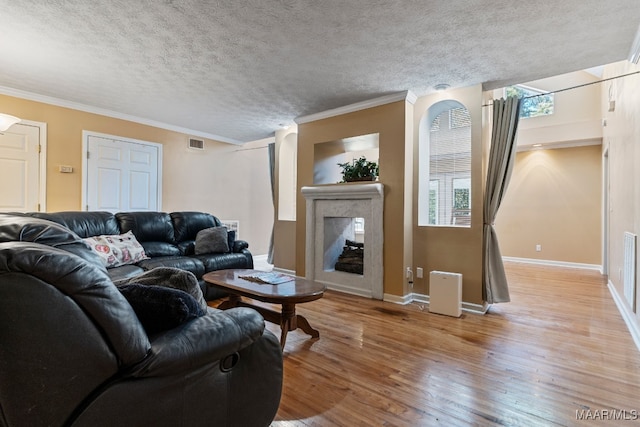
409,273
419,273
538,248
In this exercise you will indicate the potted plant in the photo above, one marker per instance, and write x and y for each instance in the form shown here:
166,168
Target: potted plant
359,170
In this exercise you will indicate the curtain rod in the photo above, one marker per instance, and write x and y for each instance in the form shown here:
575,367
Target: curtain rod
249,149
574,87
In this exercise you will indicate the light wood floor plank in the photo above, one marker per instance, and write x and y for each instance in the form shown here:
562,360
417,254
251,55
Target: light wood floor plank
559,347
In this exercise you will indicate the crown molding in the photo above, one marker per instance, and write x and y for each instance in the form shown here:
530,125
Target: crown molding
406,95
17,93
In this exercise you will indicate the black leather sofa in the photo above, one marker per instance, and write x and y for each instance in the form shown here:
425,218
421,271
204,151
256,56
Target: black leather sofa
73,351
168,240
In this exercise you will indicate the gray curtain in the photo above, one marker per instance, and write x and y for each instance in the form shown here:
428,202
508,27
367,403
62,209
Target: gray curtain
501,159
272,174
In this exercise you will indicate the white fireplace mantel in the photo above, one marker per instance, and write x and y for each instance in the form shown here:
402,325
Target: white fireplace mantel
344,191
345,201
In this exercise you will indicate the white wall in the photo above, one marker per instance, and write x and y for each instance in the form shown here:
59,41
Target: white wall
228,181
622,142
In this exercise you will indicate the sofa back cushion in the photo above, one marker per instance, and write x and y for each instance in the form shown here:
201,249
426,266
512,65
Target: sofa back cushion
186,226
25,228
84,224
154,231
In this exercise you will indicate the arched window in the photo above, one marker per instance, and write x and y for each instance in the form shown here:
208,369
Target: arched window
287,178
444,188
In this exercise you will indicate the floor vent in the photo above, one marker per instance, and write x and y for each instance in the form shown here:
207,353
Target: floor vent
196,144
629,269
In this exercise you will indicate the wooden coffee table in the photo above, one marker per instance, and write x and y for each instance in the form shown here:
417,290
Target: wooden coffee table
287,294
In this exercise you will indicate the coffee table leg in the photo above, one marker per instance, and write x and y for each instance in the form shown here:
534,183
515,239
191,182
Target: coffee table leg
287,321
230,302
303,324
291,321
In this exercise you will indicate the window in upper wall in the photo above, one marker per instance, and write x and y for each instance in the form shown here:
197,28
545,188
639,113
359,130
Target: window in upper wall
534,102
444,189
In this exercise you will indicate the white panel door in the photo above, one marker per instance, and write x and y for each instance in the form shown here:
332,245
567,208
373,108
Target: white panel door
122,175
20,169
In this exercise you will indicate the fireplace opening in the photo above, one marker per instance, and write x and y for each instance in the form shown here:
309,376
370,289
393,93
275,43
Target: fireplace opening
344,244
351,260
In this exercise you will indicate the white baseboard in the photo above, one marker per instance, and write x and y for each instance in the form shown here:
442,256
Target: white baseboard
554,263
627,315
397,299
470,307
351,290
467,307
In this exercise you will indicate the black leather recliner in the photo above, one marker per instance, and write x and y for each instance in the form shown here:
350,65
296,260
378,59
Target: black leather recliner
73,352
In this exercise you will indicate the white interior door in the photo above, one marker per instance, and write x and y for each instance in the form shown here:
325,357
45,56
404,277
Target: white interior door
122,174
20,169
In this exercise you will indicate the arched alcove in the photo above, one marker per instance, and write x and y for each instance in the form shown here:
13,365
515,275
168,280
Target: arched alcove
444,153
287,178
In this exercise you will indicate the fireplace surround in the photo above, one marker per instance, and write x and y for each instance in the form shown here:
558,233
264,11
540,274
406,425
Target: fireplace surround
331,211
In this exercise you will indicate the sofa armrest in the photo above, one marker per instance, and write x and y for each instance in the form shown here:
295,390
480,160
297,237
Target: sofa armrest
209,338
239,245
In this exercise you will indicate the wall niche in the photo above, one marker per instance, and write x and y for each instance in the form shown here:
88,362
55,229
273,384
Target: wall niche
327,155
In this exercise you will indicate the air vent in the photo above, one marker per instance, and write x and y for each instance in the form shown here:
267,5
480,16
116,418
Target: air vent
196,144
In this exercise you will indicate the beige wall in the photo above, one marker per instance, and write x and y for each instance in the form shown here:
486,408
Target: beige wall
452,249
554,197
389,121
622,144
406,244
554,200
222,180
576,115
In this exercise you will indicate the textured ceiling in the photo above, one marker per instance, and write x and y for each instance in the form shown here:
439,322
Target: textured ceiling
237,70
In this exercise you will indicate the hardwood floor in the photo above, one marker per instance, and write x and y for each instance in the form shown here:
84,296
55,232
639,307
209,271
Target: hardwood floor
558,352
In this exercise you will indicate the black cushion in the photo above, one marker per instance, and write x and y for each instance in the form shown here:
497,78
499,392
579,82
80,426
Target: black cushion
156,249
124,272
84,224
213,262
231,239
191,264
37,230
161,308
26,229
147,226
187,224
88,286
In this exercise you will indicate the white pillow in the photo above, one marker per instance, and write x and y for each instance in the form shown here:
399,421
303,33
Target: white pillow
117,250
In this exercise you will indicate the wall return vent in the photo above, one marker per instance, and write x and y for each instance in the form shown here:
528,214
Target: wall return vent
196,144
